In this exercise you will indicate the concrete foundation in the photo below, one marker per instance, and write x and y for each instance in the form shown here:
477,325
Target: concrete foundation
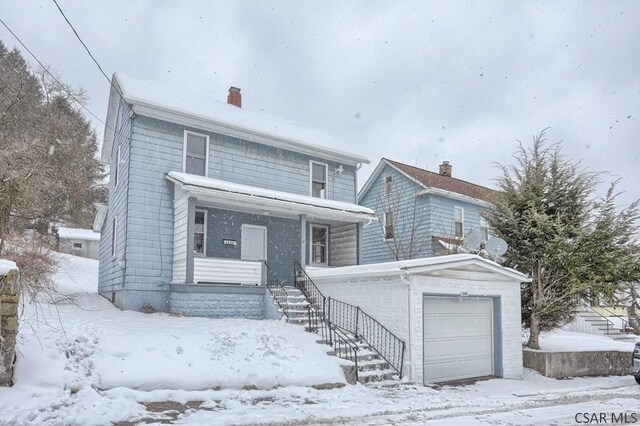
560,365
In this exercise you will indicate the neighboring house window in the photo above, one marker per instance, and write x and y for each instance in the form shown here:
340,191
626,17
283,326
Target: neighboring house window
200,232
388,185
319,245
116,174
458,213
318,180
389,233
484,229
77,245
196,147
114,235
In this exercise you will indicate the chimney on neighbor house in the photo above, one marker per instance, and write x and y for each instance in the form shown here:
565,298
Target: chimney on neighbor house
445,169
234,98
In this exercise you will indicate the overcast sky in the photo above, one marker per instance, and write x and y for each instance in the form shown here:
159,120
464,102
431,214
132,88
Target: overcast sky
418,82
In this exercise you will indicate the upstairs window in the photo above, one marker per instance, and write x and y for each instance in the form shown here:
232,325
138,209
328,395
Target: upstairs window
484,229
200,232
116,174
114,235
318,180
196,147
388,185
458,215
389,232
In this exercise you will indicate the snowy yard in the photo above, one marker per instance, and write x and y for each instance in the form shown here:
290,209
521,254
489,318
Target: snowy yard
88,363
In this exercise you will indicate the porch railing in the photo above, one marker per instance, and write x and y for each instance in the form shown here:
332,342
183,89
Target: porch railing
352,319
277,290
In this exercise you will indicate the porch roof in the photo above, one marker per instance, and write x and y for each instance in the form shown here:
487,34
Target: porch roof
234,195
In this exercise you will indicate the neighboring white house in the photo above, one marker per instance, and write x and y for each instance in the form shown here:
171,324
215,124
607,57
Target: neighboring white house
79,242
459,315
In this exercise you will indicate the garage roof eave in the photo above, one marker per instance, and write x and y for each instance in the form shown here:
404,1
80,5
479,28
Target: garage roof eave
461,262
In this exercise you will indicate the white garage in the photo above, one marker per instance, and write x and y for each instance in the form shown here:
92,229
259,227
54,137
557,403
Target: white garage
458,315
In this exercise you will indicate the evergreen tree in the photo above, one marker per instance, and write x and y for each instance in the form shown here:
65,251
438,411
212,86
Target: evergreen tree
572,246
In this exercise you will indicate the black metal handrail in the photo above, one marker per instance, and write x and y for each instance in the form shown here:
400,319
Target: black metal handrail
605,318
343,346
277,290
625,323
354,320
309,289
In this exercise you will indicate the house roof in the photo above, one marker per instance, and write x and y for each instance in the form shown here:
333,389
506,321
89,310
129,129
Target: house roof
78,234
460,262
432,182
179,105
251,197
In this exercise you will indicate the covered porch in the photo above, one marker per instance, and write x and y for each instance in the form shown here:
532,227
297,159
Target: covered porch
228,233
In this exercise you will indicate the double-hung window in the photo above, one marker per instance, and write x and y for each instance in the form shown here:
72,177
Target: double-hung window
318,180
388,185
319,245
114,235
484,229
200,233
196,148
116,172
458,214
389,233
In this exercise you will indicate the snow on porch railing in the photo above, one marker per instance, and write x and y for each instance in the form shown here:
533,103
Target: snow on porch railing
227,271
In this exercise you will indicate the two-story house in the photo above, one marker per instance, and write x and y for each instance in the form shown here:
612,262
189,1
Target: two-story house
204,195
421,213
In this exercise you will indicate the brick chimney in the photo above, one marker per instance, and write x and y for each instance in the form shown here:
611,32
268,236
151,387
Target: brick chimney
445,169
234,98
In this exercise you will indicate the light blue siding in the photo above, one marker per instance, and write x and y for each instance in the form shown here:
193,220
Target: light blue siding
111,272
143,202
423,217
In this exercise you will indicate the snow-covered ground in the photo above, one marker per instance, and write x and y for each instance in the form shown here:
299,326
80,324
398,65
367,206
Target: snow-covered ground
88,363
569,341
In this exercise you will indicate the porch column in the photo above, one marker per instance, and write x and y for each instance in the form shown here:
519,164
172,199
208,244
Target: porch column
191,222
303,239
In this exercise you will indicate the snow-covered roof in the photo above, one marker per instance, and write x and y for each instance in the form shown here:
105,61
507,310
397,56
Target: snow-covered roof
78,234
179,105
452,261
6,266
267,199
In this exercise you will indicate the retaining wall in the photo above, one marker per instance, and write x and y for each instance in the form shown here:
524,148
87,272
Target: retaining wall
561,365
9,294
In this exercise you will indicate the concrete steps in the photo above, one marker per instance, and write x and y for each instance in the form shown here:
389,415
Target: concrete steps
372,368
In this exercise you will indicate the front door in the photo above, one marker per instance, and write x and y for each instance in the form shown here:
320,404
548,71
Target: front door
254,242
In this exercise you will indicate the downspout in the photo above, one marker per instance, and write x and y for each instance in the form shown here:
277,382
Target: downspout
404,276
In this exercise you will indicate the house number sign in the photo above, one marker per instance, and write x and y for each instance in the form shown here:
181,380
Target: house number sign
232,243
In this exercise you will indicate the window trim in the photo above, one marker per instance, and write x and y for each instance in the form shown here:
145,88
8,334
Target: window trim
184,151
326,178
114,235
117,171
454,220
388,184
204,237
326,239
384,226
486,226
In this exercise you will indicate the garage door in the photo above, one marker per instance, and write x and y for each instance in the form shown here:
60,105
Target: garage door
458,341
